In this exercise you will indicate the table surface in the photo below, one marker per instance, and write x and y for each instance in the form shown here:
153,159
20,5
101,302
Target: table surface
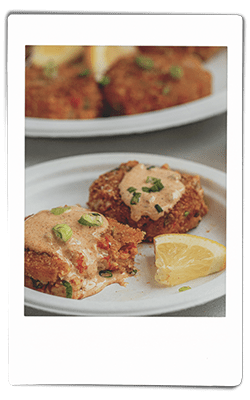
203,142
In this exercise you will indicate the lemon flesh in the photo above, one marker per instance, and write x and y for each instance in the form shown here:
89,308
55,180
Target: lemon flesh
100,58
181,258
41,55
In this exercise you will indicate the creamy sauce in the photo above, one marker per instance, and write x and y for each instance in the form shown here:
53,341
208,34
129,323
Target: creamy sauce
148,203
40,238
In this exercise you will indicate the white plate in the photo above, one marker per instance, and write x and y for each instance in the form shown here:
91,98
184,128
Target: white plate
67,180
175,116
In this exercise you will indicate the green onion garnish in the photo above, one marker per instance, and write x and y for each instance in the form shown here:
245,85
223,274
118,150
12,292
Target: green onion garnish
150,167
151,179
134,272
106,273
146,189
85,72
186,213
157,187
69,289
183,288
131,189
59,210
144,62
176,72
91,219
62,231
105,80
36,283
158,208
135,199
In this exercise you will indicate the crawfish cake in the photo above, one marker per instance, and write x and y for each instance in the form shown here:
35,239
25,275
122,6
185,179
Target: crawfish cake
155,200
67,91
203,52
141,83
74,252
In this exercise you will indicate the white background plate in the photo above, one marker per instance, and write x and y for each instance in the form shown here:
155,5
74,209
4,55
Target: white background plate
175,116
67,180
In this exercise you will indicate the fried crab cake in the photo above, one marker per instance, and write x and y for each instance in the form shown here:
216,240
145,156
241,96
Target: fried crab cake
74,252
204,52
155,200
68,91
138,84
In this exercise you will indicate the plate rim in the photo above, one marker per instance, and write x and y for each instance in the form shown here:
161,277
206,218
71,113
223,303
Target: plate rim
62,305
183,114
179,115
39,300
57,163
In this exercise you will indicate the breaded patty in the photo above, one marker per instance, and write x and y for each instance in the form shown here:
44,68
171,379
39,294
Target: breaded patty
204,52
138,84
65,92
185,214
76,253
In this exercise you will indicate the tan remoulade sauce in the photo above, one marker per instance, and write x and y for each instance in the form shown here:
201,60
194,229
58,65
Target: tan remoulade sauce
150,191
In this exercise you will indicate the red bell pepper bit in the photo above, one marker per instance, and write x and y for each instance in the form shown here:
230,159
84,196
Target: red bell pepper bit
104,246
75,102
80,265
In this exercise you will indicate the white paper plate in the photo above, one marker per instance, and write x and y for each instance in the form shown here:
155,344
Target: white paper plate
175,116
67,180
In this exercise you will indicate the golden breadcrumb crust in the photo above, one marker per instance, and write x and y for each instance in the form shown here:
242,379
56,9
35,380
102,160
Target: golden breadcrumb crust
104,197
66,96
134,89
44,272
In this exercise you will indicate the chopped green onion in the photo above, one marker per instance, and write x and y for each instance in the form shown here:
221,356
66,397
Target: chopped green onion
146,189
150,167
106,273
144,62
151,179
36,283
131,189
176,72
135,199
105,80
183,288
157,187
186,213
158,208
85,72
91,219
134,272
59,210
69,290
62,231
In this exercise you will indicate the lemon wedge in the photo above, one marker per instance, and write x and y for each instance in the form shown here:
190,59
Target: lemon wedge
41,55
100,58
180,258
